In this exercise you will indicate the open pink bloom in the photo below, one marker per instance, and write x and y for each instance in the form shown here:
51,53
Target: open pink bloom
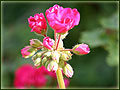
38,23
62,19
25,52
83,49
48,43
27,76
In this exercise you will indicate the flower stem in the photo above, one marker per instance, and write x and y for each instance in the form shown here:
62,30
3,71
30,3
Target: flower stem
58,41
60,79
55,37
66,50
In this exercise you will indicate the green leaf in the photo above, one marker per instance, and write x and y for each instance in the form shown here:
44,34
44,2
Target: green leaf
94,38
113,56
111,22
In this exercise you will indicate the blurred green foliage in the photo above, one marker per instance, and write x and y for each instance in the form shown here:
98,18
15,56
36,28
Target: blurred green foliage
98,28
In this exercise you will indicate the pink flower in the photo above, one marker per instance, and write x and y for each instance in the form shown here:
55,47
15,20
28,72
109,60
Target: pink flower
38,23
48,43
24,76
62,19
27,76
82,49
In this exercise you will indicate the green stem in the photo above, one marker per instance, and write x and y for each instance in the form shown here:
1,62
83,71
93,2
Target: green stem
60,79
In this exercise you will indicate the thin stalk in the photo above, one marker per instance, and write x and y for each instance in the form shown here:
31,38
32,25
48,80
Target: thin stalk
60,79
66,50
58,41
55,37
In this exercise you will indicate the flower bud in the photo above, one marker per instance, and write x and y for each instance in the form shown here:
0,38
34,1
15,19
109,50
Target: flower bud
67,70
28,51
81,49
44,60
48,43
38,55
66,56
46,63
52,66
55,56
37,62
47,54
35,43
61,63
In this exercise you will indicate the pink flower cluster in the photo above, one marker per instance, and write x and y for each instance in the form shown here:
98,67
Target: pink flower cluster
27,76
59,18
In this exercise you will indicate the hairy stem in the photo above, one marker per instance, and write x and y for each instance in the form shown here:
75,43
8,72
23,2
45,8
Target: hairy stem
60,79
58,41
66,50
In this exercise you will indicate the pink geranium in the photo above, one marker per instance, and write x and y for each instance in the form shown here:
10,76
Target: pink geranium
48,43
38,23
27,76
62,19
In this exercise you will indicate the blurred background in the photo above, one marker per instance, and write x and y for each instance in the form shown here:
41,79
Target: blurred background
98,27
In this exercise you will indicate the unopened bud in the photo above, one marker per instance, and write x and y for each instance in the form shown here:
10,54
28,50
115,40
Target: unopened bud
48,54
81,49
35,43
61,63
44,60
55,56
37,62
28,51
67,70
38,55
46,63
66,56
52,66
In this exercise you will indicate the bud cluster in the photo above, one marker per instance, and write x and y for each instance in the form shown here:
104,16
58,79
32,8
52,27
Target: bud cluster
51,53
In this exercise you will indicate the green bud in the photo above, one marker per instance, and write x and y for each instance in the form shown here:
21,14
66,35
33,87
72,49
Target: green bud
61,63
52,66
44,60
67,70
37,62
48,54
66,56
55,56
46,63
35,43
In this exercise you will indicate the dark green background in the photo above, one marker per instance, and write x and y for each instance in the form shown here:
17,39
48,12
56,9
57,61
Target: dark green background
91,70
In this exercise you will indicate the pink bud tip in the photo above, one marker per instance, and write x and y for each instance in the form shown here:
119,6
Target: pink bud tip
83,49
